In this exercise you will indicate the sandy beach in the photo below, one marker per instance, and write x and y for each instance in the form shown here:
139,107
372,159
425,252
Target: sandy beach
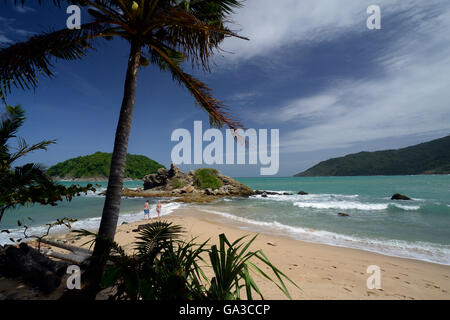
321,271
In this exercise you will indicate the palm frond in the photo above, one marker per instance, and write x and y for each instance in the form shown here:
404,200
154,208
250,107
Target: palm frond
154,236
20,63
24,148
200,91
186,32
11,120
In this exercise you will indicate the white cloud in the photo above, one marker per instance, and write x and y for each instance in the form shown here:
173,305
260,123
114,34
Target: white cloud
272,25
4,39
411,98
23,9
305,108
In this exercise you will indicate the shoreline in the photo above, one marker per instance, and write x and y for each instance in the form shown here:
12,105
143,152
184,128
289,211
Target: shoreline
278,231
322,271
250,226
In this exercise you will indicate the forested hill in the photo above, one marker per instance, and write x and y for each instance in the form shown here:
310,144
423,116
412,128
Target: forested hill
431,157
96,166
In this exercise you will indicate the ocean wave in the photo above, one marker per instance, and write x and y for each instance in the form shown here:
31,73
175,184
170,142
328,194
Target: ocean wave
89,223
94,194
313,197
341,205
418,250
404,207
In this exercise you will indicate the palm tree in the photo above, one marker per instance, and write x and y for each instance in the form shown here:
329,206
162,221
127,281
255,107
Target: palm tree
164,33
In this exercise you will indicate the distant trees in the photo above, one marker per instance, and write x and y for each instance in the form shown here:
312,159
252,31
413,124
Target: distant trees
432,157
98,164
29,183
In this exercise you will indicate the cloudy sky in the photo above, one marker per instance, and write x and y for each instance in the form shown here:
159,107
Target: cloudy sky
311,69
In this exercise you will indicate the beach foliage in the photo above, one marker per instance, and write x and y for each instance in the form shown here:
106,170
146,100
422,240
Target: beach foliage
207,178
97,165
177,183
26,184
164,267
164,33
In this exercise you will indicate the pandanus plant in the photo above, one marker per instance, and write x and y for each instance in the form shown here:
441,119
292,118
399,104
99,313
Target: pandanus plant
165,267
164,33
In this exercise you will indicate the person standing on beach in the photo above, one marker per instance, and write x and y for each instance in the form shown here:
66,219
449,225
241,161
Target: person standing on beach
146,209
158,209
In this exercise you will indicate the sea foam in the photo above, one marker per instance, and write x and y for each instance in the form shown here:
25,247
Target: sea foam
341,205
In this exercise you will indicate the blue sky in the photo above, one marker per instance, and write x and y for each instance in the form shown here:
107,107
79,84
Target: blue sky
311,69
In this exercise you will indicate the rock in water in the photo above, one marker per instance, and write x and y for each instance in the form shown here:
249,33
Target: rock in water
303,193
399,196
340,214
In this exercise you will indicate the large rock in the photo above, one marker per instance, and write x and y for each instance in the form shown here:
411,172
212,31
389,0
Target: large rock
167,180
156,179
399,196
175,182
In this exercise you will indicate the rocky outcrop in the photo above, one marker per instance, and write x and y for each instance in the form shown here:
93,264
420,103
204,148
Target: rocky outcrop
302,193
173,182
399,196
271,193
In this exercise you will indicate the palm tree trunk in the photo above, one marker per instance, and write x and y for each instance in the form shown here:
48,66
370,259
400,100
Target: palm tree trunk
111,207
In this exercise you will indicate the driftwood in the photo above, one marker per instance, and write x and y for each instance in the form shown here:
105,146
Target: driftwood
32,266
36,268
78,255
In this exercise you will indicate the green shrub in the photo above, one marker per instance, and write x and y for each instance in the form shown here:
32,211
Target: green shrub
207,178
164,267
176,183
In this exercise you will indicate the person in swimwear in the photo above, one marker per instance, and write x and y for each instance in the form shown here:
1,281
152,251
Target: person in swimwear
147,209
158,209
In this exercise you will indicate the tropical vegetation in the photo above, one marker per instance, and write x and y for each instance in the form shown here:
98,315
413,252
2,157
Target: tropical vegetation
207,178
26,184
164,33
164,267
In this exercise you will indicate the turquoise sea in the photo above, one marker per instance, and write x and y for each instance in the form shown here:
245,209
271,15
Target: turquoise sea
418,229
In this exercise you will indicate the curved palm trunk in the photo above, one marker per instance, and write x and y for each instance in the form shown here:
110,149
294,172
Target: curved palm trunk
111,207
